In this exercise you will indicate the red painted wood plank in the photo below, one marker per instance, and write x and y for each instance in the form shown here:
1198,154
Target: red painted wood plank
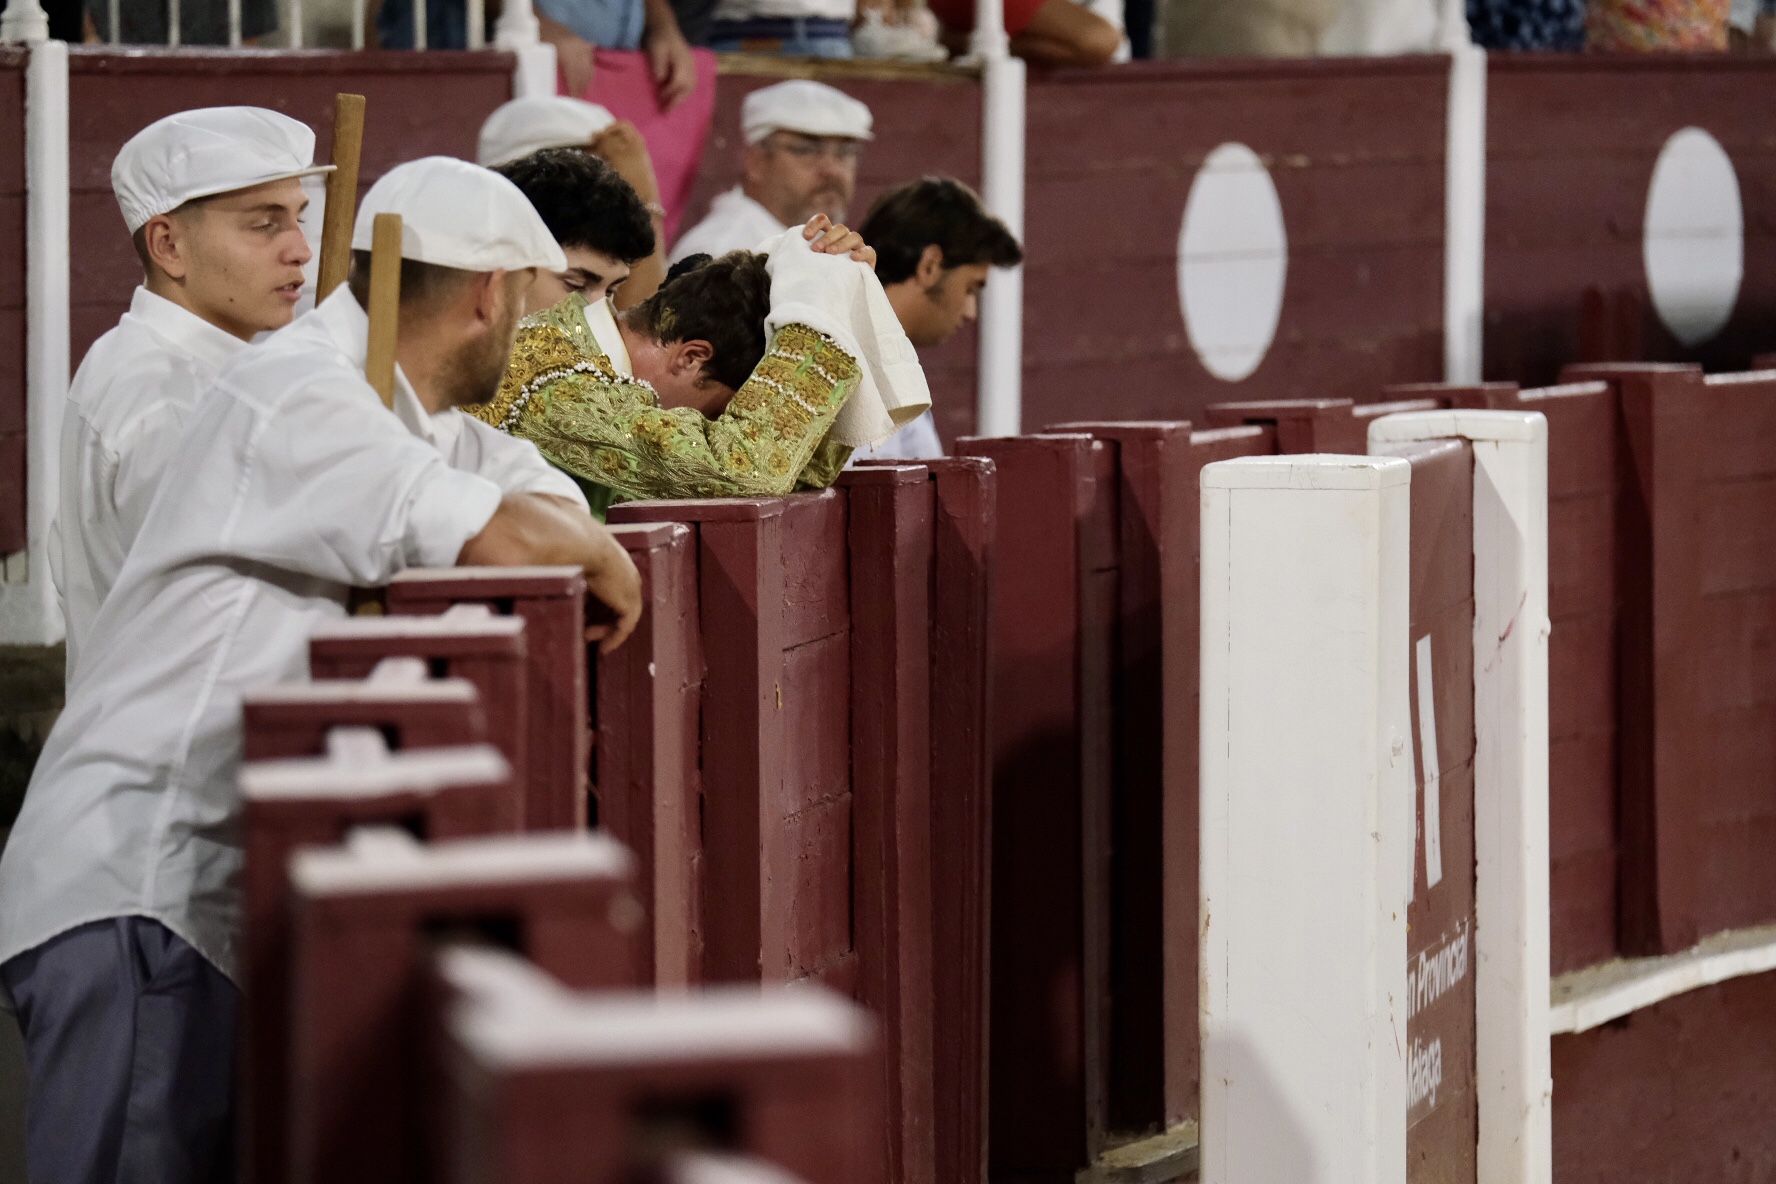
12,493
890,543
1618,1086
361,1036
274,826
646,780
552,604
1040,1124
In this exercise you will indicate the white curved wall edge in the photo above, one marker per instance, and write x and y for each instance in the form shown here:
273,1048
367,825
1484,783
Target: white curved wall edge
1511,931
29,613
1596,995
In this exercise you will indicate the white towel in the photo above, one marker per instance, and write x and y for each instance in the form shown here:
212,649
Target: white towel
844,300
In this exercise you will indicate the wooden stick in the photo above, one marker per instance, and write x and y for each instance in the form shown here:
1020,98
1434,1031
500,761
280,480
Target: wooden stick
342,193
385,305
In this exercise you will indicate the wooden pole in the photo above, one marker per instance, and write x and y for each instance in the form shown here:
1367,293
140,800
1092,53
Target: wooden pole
342,193
385,305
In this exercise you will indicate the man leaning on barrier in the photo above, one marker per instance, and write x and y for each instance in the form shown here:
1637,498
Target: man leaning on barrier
120,891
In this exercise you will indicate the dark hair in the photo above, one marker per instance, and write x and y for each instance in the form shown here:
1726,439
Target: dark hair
688,263
723,302
423,285
940,211
583,202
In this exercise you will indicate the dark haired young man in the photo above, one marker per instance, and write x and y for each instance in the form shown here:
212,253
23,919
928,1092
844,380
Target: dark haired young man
603,226
935,244
697,400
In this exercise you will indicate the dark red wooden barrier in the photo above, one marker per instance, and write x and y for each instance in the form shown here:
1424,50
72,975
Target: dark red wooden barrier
816,777
1054,609
1443,1109
312,801
12,300
646,780
364,921
550,1088
409,709
964,515
469,643
552,603
1593,126
1677,1091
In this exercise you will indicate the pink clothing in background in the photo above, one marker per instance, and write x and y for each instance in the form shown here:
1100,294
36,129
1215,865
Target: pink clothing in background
622,82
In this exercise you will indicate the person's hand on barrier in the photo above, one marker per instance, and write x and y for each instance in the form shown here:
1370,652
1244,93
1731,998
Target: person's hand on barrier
669,59
573,55
622,147
616,584
830,239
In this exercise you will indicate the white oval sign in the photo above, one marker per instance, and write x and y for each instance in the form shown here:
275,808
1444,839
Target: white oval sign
1233,259
1694,236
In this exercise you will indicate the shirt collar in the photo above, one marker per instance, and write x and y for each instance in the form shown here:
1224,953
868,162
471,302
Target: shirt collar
183,329
742,204
349,326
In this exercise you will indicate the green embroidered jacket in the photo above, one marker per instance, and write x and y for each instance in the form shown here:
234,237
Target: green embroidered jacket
610,433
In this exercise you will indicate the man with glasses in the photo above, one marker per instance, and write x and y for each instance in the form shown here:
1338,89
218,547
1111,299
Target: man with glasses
802,142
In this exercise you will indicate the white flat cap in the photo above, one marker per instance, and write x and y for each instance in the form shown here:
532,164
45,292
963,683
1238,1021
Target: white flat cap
522,126
812,108
457,214
204,152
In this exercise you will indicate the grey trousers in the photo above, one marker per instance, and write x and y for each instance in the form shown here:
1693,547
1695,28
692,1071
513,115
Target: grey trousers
130,1045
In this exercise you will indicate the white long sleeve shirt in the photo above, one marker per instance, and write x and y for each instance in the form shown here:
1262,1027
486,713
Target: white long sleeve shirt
918,440
290,485
124,415
734,223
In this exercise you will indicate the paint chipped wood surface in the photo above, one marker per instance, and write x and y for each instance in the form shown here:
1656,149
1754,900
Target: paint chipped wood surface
552,604
12,300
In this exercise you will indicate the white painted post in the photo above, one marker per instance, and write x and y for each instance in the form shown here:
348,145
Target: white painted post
293,31
475,36
357,18
23,23
1510,776
1306,819
999,398
29,613
174,32
519,32
234,24
1464,202
421,26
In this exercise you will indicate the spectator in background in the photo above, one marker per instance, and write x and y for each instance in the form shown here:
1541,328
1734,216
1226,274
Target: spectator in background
591,178
1050,32
789,28
935,243
608,235
1527,24
802,143
1640,25
201,22
574,27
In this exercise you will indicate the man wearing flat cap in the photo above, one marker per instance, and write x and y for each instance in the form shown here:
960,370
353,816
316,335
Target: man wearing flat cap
802,142
213,201
120,886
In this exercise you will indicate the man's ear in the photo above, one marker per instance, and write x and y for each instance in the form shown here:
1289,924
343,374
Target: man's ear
930,267
163,238
689,357
491,291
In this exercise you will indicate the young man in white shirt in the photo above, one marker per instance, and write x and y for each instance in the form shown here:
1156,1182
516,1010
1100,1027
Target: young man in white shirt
292,484
214,204
935,245
802,143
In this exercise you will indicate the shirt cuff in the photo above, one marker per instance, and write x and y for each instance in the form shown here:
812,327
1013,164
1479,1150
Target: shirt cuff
449,508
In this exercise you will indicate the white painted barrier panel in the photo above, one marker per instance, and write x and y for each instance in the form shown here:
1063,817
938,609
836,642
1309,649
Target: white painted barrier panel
1510,776
1306,835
